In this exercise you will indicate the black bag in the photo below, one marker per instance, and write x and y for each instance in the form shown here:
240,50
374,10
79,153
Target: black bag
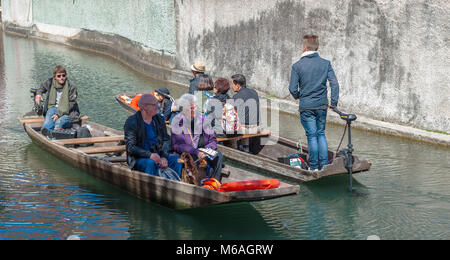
64,133
83,132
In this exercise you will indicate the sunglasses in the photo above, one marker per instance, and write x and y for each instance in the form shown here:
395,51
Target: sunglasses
61,76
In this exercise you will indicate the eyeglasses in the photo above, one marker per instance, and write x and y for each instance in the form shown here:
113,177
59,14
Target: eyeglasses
61,76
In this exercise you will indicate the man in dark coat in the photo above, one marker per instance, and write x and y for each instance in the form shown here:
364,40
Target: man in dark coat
246,101
147,141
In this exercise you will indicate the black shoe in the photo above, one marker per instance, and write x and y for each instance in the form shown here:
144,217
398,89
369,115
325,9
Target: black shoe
46,132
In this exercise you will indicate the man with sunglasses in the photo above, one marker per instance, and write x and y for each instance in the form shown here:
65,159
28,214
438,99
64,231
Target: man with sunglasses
60,108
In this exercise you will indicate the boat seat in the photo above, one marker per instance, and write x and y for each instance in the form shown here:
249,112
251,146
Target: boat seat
90,140
41,120
102,149
115,159
239,137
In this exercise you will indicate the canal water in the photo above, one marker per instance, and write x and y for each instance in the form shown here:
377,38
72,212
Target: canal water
405,195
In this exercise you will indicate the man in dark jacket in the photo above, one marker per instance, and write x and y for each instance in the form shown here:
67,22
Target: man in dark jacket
246,102
308,83
147,141
61,107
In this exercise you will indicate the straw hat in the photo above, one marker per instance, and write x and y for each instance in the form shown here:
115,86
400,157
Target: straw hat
198,66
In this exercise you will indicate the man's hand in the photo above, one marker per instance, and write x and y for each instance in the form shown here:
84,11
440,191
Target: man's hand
55,117
38,99
155,157
164,163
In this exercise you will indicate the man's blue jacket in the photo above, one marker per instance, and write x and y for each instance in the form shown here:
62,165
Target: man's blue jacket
308,82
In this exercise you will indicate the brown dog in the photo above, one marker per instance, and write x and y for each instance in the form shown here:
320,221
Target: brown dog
189,173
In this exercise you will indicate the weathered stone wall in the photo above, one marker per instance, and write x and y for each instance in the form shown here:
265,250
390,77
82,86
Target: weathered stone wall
391,57
149,22
19,12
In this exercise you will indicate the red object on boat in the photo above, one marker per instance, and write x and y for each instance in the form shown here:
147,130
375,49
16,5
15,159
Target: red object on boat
264,184
134,101
211,184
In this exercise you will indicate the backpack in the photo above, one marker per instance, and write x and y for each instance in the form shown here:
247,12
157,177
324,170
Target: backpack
230,120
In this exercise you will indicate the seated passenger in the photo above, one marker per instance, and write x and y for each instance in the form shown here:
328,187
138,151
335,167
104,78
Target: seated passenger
165,103
147,141
215,108
190,133
246,101
60,108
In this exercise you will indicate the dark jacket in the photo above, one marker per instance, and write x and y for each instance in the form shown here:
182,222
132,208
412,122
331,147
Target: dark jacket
193,83
165,109
246,102
309,82
74,111
134,130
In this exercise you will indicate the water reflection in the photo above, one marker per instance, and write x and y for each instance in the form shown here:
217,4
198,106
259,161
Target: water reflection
40,203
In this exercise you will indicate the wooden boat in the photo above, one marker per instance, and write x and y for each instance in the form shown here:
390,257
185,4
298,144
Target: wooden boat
99,160
266,160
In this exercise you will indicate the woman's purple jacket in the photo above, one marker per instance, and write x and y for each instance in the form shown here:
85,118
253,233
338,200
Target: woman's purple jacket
181,139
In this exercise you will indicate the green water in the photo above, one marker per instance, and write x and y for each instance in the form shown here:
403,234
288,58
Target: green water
405,195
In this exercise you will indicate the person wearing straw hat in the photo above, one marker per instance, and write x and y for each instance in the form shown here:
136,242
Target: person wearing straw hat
198,69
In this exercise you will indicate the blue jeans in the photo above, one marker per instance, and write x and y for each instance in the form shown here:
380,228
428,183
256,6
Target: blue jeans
62,122
313,121
149,166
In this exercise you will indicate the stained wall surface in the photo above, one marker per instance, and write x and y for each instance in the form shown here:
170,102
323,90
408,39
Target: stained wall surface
391,57
150,22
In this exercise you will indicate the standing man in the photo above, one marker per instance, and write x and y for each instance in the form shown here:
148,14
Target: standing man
246,102
61,107
147,141
308,83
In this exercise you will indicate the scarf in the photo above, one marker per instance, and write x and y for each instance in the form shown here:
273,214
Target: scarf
63,104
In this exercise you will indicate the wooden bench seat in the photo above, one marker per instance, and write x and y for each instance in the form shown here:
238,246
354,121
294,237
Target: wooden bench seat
239,137
41,120
90,140
102,149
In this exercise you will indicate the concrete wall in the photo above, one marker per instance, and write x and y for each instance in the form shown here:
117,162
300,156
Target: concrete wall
149,22
391,57
19,12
